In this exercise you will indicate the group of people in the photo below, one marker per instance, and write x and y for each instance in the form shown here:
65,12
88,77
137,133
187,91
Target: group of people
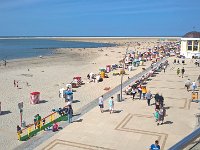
177,62
160,111
110,103
68,111
192,85
182,72
133,90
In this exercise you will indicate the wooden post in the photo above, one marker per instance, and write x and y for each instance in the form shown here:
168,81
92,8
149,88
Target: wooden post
29,131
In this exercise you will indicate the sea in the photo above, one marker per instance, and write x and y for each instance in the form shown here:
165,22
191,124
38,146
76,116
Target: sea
20,47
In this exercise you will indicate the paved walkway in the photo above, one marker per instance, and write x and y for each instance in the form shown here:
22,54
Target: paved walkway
132,126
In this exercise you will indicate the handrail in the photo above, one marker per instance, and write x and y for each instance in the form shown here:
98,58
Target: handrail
187,140
38,126
37,121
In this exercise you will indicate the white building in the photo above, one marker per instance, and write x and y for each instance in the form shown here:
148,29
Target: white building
190,44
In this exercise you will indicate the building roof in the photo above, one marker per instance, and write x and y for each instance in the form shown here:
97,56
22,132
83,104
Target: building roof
193,34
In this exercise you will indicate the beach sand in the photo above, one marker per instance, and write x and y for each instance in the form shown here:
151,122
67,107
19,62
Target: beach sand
50,73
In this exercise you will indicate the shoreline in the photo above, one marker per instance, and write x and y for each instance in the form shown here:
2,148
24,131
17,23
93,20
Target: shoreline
89,37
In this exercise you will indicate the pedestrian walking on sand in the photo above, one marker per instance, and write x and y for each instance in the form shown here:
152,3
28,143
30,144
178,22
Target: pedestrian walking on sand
188,84
182,71
14,83
178,71
155,146
101,103
148,97
111,105
5,62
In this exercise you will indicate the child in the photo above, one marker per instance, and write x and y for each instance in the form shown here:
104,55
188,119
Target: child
156,115
55,127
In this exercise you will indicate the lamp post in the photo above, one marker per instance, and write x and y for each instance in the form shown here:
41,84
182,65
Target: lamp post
123,61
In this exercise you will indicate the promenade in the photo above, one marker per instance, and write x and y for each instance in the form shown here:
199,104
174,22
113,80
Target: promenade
132,126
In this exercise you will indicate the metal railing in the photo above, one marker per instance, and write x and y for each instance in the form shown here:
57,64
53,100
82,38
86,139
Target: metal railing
40,125
187,140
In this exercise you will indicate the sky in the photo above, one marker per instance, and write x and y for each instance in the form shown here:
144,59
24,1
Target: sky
99,17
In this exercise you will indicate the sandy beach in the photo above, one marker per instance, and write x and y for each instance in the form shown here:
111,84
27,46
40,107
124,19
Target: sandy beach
50,73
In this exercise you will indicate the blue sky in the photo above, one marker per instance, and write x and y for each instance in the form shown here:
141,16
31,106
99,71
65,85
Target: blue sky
98,17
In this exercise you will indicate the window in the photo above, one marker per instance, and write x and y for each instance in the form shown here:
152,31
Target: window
189,43
195,48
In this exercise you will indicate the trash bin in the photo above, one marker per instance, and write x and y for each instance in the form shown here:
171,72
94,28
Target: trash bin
35,97
118,97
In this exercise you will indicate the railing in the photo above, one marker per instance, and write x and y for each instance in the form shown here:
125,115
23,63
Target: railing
187,140
38,126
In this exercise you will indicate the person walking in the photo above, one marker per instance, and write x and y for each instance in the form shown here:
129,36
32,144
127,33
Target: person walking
69,112
178,71
156,97
14,83
101,104
174,61
164,68
144,91
133,92
161,100
162,114
156,115
155,146
139,88
188,84
194,86
182,71
148,97
111,105
198,80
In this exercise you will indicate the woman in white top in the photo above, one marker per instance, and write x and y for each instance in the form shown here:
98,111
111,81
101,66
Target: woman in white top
194,86
101,103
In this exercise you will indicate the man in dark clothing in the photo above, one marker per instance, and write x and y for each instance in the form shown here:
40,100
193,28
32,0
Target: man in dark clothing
161,100
69,112
182,71
19,130
156,97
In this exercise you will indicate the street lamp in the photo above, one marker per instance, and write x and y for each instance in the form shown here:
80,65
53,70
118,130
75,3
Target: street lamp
122,73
